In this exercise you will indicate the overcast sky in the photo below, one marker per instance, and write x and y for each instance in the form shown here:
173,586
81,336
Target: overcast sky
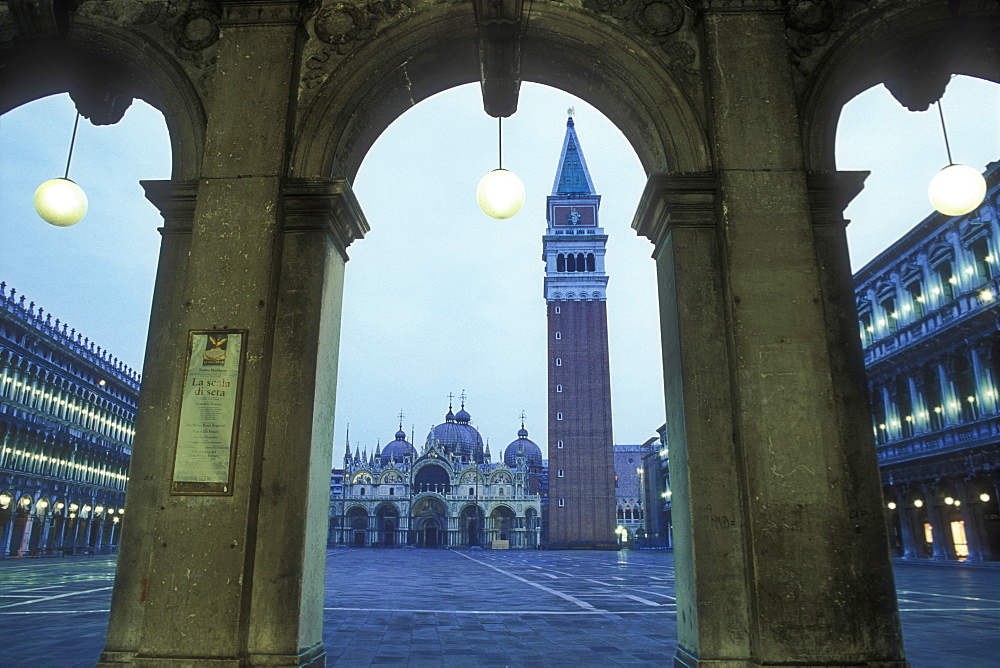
439,298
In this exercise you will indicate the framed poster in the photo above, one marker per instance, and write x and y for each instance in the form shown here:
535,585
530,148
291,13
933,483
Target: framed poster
210,410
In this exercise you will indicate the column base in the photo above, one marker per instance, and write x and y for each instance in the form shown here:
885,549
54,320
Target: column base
685,659
312,657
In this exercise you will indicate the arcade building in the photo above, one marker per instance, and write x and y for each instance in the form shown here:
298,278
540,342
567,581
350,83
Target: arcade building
67,410
450,494
929,321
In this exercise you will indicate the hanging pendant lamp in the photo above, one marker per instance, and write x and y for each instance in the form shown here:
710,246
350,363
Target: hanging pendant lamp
500,193
956,189
60,201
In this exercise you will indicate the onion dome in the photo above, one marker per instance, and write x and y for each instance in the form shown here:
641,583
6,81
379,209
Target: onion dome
397,450
457,436
526,447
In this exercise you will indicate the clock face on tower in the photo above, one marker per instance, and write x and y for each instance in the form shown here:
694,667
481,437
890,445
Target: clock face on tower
580,215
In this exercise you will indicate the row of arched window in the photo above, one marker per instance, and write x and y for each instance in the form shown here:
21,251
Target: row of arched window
21,451
59,398
943,391
570,262
627,513
956,264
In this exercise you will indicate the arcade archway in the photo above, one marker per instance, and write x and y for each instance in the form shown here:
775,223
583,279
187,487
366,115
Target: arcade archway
751,283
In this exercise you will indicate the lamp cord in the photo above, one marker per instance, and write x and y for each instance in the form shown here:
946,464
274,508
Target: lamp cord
72,141
944,131
500,141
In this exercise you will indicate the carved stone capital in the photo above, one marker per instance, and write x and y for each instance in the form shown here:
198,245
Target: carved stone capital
324,206
683,199
176,201
831,192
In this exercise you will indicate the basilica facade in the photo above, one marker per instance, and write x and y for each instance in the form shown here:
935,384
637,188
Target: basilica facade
450,494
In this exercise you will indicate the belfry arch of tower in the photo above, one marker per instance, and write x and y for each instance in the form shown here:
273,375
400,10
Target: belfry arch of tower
272,104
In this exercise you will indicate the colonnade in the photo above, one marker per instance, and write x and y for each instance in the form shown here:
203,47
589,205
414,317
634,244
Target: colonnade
354,529
39,529
952,518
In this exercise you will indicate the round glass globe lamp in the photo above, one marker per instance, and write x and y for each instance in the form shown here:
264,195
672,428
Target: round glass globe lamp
500,194
957,190
60,202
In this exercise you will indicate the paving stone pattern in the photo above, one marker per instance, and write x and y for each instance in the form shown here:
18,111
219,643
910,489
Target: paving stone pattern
468,608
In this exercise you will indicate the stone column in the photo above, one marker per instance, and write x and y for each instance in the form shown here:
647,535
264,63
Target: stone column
678,214
6,532
943,546
23,548
975,531
778,508
986,403
59,540
947,397
43,538
918,407
237,579
911,548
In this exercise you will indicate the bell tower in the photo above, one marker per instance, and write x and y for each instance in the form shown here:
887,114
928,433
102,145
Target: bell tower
581,452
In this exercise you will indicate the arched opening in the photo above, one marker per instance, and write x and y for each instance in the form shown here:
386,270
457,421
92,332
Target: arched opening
387,521
351,108
472,524
502,524
432,478
449,134
429,522
357,526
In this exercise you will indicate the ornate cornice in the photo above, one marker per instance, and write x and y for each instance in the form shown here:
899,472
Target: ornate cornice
326,206
685,199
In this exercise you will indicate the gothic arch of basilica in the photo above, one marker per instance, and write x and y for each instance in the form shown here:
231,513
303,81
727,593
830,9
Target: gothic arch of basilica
730,104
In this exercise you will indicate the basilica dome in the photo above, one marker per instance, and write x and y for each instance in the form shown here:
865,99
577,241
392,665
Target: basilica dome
531,450
396,450
457,436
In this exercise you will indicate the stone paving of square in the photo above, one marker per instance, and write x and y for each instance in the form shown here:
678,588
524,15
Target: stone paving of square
467,608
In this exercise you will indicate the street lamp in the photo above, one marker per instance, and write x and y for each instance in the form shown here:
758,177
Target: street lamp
956,189
500,193
61,202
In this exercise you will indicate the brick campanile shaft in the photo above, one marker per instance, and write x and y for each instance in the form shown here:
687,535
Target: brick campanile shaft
581,453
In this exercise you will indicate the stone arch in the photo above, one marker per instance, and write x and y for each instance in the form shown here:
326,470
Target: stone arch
874,49
147,70
432,477
573,50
